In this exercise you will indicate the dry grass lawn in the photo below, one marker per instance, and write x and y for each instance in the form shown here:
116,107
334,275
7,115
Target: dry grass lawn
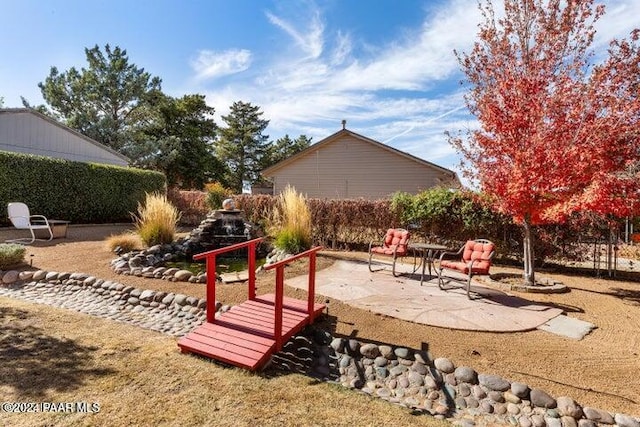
139,376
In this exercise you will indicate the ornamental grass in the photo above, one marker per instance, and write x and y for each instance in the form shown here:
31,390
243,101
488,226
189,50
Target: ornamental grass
127,242
291,222
157,220
11,254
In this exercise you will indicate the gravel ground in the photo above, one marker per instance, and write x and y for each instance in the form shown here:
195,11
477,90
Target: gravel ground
599,371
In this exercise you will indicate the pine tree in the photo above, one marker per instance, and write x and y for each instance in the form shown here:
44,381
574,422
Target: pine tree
242,144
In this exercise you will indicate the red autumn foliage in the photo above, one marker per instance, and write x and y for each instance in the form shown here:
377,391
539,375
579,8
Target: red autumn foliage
191,204
557,136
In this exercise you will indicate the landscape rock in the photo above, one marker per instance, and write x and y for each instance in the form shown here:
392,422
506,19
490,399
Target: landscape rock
182,275
494,382
25,275
444,365
567,407
597,415
465,375
369,350
520,390
541,399
626,421
10,277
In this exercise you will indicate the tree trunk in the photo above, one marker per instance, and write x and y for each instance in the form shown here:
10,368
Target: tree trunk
529,274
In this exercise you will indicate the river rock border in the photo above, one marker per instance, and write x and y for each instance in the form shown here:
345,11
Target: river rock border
169,313
400,375
412,379
150,262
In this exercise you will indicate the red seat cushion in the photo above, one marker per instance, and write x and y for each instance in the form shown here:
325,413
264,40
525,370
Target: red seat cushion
480,267
473,251
394,239
382,250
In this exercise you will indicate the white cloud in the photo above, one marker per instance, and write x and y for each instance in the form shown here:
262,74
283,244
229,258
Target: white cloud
342,50
311,41
421,59
210,64
327,77
621,16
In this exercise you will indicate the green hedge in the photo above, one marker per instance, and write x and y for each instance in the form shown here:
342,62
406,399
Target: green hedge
74,191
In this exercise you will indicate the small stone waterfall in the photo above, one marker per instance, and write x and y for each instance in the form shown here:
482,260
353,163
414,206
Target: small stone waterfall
223,227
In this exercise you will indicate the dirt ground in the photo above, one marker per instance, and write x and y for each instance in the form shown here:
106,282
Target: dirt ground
600,371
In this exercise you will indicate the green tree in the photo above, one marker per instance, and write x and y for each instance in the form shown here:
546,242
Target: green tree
242,145
284,148
179,141
101,101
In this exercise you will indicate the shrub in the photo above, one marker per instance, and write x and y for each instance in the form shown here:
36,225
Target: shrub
346,224
216,193
190,203
292,222
74,191
456,215
11,254
156,222
126,241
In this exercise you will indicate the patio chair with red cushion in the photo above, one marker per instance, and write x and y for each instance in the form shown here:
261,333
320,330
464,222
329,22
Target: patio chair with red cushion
394,245
474,259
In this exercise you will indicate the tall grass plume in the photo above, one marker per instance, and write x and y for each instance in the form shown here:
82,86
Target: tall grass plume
291,222
156,221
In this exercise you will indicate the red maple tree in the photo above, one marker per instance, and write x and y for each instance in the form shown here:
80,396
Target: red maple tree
557,134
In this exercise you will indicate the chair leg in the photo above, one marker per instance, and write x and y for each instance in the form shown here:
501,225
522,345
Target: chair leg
370,259
469,286
27,241
440,280
393,268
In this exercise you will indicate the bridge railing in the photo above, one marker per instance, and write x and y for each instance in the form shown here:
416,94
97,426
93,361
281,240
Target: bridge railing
210,258
279,267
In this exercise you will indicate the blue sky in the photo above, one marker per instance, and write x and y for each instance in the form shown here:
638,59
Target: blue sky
386,66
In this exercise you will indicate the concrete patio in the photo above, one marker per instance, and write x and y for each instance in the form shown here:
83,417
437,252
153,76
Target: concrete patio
402,297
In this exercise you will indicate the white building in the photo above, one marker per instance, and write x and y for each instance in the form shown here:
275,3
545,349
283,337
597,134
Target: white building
346,165
23,130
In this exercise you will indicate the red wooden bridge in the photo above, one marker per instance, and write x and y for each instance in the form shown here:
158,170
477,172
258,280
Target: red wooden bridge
248,334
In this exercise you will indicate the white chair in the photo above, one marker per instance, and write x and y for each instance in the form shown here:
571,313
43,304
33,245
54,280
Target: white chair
22,220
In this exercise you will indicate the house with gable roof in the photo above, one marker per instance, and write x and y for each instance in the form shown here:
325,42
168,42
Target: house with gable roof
347,165
24,130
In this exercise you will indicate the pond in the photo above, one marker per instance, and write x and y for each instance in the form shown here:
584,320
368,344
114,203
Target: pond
223,265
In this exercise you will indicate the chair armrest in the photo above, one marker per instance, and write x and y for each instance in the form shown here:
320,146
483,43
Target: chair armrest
39,218
449,253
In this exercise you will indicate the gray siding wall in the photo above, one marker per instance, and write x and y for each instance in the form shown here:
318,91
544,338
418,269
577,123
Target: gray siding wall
350,168
24,132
